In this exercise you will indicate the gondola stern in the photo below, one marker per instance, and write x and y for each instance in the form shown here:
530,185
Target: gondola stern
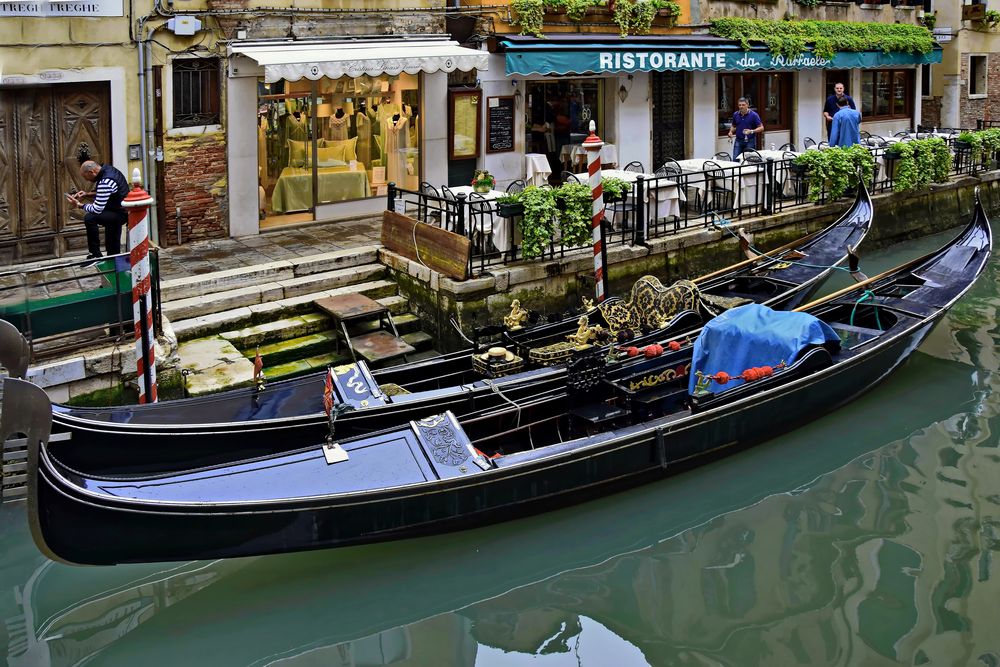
28,411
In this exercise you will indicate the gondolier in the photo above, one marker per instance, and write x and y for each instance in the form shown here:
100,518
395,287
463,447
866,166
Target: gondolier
106,209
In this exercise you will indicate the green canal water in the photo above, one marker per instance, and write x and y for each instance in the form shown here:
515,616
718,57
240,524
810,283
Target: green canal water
864,538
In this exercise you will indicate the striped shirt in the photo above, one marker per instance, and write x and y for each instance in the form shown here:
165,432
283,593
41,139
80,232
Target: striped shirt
106,187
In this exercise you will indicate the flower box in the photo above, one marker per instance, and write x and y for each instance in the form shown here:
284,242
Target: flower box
510,210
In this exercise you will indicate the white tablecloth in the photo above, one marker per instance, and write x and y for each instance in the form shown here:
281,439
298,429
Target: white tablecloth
485,224
749,176
536,169
572,154
663,197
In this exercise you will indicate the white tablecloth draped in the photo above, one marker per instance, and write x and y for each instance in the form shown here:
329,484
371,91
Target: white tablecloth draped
749,176
572,154
485,224
663,197
536,169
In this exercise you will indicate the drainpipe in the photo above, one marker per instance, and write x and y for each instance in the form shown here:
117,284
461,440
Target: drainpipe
143,142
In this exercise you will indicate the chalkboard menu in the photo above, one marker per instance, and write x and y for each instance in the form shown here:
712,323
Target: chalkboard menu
500,124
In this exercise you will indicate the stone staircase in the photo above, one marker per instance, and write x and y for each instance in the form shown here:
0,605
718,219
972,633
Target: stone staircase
222,319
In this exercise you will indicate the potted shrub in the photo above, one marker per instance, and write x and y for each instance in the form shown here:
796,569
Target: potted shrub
964,141
614,189
537,221
930,20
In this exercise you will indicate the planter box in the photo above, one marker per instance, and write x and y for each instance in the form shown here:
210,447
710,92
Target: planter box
510,210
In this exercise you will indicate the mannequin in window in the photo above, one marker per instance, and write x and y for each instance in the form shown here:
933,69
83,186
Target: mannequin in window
397,139
363,131
338,125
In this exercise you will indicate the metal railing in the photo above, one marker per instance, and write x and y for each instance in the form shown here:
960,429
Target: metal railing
670,203
67,306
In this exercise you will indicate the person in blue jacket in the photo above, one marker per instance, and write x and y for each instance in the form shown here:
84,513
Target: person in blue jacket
846,127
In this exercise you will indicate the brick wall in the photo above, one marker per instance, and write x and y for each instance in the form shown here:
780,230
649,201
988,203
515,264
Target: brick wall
195,180
971,110
930,112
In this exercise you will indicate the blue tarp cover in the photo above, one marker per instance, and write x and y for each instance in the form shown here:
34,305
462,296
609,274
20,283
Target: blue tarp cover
754,335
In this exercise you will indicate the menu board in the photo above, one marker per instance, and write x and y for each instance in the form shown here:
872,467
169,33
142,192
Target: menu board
500,124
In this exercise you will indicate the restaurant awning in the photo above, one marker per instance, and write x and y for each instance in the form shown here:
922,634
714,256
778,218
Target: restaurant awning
692,53
292,60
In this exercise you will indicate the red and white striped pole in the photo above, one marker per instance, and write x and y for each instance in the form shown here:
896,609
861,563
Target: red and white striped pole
593,144
138,201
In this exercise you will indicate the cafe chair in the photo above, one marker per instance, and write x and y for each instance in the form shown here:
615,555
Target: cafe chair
426,210
718,196
753,157
823,144
788,147
902,134
480,223
807,142
669,168
722,155
798,183
516,186
635,167
570,177
865,135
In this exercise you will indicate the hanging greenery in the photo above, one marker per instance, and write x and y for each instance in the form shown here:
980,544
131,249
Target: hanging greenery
790,38
835,170
918,163
529,15
575,204
615,188
635,17
575,9
538,221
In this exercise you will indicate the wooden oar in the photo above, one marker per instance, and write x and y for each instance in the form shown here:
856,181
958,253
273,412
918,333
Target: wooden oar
863,283
763,255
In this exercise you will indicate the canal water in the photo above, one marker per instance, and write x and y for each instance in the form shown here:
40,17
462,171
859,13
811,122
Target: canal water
864,538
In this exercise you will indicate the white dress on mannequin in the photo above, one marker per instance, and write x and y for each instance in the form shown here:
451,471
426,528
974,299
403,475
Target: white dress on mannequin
396,134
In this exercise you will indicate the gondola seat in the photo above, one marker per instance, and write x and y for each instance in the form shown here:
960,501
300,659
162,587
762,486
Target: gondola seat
649,305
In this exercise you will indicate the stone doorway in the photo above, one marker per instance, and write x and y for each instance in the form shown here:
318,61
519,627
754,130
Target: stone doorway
42,129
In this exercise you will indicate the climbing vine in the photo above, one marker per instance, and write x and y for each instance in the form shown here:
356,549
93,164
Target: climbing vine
835,169
530,15
538,221
790,38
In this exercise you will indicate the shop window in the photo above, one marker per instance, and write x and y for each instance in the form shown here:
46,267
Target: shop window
336,140
886,94
195,91
977,75
768,93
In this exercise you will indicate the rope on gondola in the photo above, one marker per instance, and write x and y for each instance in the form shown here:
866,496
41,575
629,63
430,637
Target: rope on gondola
748,375
868,294
724,224
496,390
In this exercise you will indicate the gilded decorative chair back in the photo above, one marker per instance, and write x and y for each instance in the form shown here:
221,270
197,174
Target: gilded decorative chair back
649,305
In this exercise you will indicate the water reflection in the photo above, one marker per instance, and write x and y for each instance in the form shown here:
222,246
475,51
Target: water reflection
867,537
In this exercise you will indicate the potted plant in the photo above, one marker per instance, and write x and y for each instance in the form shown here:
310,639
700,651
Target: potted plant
575,205
614,189
483,181
964,141
509,206
930,20
635,17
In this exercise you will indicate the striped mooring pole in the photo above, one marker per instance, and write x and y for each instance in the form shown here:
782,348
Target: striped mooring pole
593,144
138,201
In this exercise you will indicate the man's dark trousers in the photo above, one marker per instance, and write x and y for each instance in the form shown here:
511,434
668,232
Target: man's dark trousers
112,223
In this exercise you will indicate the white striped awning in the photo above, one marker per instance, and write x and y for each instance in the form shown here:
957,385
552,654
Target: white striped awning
294,60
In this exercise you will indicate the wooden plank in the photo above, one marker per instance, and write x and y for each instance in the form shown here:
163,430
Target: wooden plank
439,249
11,468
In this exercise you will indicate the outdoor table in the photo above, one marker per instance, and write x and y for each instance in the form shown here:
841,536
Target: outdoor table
573,154
536,168
485,224
782,172
749,176
662,194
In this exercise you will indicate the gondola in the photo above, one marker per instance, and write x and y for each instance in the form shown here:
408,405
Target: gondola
243,423
440,473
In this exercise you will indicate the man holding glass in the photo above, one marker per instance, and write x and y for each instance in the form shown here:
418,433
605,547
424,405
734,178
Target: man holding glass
744,128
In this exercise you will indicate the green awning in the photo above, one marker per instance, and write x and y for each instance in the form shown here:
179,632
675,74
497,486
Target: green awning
544,57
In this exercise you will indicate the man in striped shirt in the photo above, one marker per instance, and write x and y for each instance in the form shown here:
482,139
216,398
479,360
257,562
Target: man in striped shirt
106,209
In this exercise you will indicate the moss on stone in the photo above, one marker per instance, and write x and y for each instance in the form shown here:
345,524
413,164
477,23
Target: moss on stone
117,395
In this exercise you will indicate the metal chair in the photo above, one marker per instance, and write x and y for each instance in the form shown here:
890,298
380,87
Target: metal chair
570,177
797,178
865,135
635,167
823,144
425,210
722,155
669,168
788,147
902,134
480,222
808,141
752,156
718,197
516,186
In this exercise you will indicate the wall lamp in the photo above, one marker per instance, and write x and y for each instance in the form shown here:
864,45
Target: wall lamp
517,92
623,91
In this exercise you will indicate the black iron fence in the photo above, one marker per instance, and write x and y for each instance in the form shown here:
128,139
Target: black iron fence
61,307
658,205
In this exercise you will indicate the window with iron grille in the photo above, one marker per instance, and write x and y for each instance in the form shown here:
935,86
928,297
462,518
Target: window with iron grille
196,91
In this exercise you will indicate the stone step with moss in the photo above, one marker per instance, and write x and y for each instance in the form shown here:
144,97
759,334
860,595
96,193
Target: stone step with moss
419,340
277,330
405,324
239,318
213,364
305,366
302,347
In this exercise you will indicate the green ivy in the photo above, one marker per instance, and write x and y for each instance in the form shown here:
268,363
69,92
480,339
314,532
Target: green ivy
790,38
835,169
575,9
538,221
919,162
635,17
575,214
615,188
530,15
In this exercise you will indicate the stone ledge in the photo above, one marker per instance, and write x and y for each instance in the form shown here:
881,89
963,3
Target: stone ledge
221,281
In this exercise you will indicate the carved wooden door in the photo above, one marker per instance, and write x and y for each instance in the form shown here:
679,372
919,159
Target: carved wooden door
41,130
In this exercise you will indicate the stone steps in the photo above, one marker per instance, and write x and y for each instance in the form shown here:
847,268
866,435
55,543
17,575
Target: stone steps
235,319
268,292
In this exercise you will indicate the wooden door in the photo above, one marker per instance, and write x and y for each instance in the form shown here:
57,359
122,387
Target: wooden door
669,93
41,131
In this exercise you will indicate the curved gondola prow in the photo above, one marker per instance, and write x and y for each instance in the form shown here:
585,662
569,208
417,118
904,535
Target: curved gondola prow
27,410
